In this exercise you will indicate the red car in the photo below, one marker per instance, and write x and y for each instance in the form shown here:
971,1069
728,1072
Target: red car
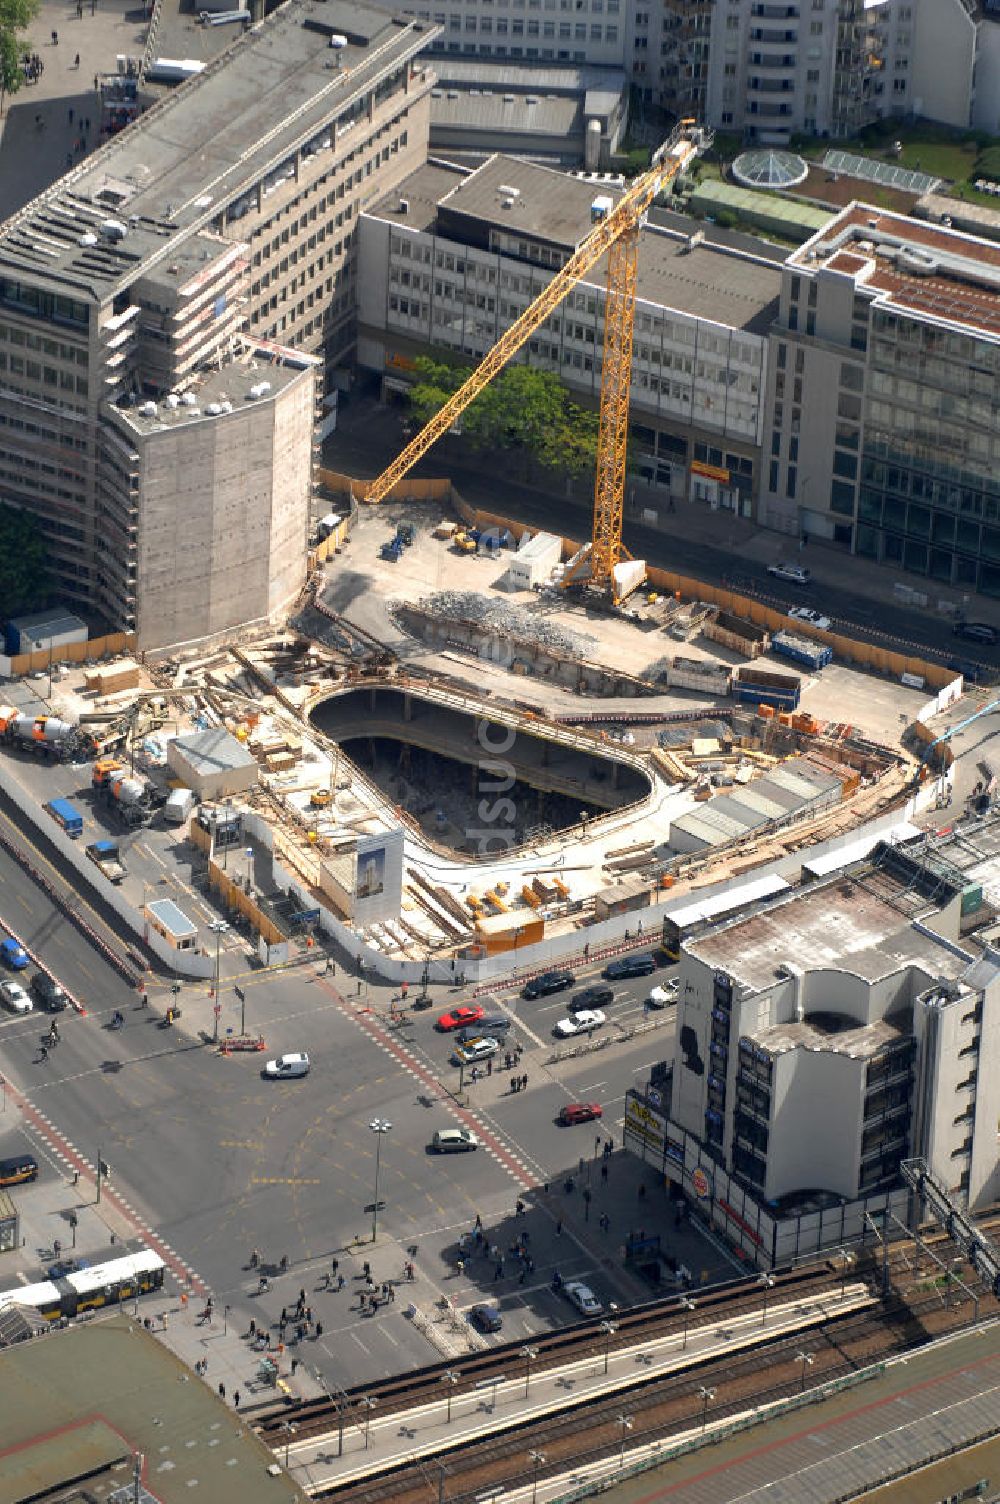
459,1018
580,1112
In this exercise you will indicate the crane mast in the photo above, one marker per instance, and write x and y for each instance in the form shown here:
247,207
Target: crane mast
615,234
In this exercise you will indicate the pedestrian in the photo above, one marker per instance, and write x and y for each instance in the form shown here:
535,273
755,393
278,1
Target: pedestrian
559,1228
302,1330
295,1364
519,1207
71,114
497,1270
319,1330
55,39
523,1275
76,62
586,951
366,1269
524,1083
460,1267
404,989
284,1315
392,1296
253,1329
236,1398
222,1390
604,1173
513,1083
43,1053
489,1067
506,1060
334,1265
302,1298
340,1282
97,83
86,123
309,1314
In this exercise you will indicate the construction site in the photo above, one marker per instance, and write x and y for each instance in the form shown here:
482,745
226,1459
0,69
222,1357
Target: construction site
467,741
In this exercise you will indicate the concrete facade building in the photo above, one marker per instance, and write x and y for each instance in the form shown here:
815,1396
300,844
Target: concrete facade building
884,396
222,219
453,260
847,1026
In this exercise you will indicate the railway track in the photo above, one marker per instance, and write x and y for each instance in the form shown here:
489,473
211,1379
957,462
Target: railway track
655,1411
554,1349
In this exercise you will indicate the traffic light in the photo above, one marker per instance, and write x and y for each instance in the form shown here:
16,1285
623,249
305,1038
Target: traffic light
175,987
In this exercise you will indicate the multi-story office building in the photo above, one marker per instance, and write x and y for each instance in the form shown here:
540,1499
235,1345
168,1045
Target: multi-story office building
836,1030
222,220
450,261
547,31
884,394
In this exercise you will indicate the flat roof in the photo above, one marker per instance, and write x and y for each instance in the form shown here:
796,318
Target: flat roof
469,109
206,143
789,211
860,1042
708,281
528,78
88,1398
911,266
172,918
231,384
213,750
840,925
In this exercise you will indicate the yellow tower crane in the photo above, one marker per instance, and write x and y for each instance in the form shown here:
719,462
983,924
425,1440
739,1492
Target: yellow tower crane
616,234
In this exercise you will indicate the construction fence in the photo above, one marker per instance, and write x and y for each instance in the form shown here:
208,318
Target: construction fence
110,646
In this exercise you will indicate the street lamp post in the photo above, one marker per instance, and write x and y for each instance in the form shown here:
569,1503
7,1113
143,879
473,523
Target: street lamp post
369,1404
249,856
847,1262
625,1421
687,1305
707,1396
290,1429
379,1127
219,927
806,1359
766,1282
538,1458
450,1378
528,1354
608,1328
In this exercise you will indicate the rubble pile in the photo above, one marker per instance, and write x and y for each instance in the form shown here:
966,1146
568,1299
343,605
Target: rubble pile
509,622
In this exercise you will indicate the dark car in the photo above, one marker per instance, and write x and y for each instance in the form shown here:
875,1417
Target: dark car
48,992
486,1318
630,966
62,1267
591,997
977,631
496,1025
549,981
18,1168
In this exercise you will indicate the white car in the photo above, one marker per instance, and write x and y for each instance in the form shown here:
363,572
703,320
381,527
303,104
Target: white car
15,998
454,1141
286,1067
662,997
814,618
584,1022
583,1297
794,574
472,1050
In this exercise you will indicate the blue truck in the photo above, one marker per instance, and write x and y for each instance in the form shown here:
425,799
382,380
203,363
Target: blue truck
66,815
814,655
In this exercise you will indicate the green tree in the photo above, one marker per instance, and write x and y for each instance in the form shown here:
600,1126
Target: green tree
15,18
24,576
523,411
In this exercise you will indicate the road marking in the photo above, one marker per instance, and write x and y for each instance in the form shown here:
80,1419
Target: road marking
283,1180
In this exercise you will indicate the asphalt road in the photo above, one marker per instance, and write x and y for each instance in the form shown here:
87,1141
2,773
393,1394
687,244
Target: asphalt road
218,1161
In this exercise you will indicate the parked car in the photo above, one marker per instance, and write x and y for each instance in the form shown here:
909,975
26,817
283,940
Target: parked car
814,618
13,954
287,1067
549,981
454,1141
48,992
474,1050
584,1022
792,574
15,998
496,1025
583,1297
62,1267
17,1168
458,1018
486,1318
977,631
630,966
662,997
579,1112
592,997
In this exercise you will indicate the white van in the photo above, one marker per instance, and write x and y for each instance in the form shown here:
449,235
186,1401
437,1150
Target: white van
180,803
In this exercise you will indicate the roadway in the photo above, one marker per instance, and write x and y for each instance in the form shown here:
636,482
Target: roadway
215,1161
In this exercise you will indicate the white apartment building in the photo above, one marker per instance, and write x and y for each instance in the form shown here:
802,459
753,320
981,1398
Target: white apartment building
834,1031
452,259
563,31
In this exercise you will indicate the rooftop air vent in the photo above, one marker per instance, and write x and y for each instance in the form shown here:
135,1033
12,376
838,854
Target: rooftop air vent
148,409
88,238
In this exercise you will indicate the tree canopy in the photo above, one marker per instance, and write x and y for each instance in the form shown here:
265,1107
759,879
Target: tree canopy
15,18
24,576
522,410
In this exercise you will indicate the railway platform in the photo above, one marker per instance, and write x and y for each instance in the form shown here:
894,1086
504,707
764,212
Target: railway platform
916,1433
377,1436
